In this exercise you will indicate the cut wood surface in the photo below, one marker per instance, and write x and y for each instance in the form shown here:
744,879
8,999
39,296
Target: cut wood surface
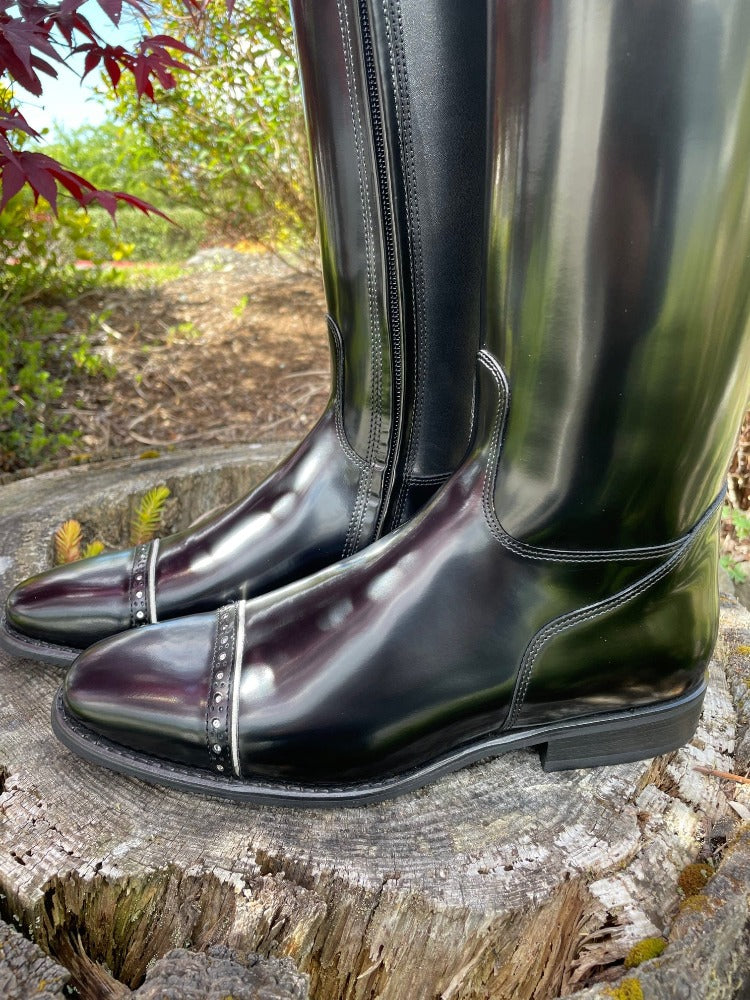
500,881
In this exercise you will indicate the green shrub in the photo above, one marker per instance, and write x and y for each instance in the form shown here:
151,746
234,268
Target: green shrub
31,429
38,352
738,523
140,238
230,139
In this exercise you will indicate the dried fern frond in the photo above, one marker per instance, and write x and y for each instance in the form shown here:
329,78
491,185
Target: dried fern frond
68,543
147,520
94,548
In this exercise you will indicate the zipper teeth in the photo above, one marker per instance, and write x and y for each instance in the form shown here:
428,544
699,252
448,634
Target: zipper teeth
394,312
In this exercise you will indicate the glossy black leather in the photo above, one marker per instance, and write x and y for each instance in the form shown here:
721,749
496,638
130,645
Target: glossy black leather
620,273
407,649
294,524
612,427
433,107
428,61
163,697
351,231
401,254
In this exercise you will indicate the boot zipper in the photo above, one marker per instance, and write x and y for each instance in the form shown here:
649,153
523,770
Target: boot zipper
392,276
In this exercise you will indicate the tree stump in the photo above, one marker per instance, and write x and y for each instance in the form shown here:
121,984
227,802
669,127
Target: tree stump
25,971
220,974
497,882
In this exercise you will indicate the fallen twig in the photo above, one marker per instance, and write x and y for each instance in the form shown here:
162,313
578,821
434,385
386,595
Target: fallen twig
312,373
207,433
727,775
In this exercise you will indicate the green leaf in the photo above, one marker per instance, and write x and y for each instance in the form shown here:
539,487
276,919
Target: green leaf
94,548
147,520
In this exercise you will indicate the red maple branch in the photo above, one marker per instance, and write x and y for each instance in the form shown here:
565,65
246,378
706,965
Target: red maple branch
28,52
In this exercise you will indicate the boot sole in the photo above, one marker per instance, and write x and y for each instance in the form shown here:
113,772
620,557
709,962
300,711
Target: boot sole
34,649
612,738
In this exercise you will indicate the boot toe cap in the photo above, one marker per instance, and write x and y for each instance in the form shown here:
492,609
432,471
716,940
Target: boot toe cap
74,605
147,690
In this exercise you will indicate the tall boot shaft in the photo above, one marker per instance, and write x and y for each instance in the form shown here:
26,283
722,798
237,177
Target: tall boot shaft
396,121
395,96
619,278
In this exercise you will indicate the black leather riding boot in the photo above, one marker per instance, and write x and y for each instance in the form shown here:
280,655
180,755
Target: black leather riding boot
395,99
560,591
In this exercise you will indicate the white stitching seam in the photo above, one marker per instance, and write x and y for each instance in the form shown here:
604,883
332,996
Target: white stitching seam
532,551
358,511
435,480
346,447
400,77
151,579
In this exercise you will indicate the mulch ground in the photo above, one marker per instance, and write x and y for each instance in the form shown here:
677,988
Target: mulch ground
739,494
234,350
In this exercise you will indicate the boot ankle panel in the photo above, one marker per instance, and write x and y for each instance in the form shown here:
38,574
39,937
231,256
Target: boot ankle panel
650,643
493,396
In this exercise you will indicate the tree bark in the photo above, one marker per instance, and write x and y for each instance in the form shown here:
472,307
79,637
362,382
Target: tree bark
25,971
497,882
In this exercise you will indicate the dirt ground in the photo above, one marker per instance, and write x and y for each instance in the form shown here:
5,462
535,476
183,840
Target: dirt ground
234,350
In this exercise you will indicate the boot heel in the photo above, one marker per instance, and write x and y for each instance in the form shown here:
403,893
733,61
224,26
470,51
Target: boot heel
636,735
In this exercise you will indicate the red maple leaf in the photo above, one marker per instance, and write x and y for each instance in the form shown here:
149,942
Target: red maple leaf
28,50
42,174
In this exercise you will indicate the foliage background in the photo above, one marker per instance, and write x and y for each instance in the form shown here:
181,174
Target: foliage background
229,142
223,154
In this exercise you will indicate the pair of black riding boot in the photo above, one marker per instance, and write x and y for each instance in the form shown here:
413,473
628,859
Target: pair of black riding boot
502,533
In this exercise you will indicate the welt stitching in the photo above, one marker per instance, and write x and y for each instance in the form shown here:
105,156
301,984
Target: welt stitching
534,552
589,613
357,518
34,643
416,260
346,447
